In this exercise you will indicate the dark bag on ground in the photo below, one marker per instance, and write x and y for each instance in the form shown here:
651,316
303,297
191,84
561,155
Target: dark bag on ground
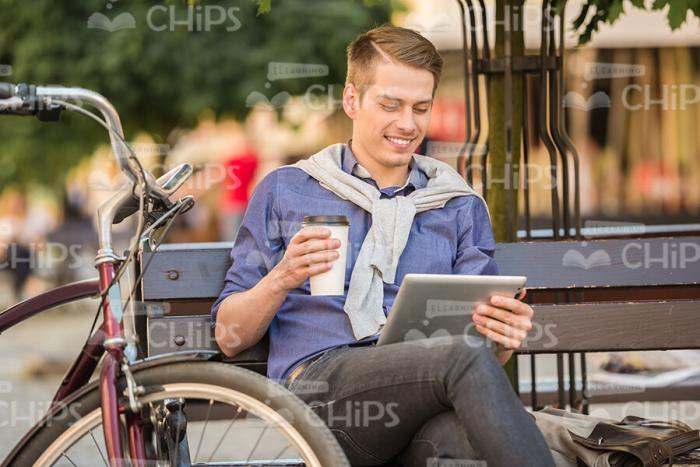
584,440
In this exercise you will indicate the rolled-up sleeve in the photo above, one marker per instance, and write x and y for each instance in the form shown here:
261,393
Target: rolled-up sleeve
259,244
476,246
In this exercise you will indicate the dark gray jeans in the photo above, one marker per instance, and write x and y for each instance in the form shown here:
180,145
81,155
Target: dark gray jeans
414,403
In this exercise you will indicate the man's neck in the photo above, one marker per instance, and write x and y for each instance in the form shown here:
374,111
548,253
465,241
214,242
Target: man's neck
384,176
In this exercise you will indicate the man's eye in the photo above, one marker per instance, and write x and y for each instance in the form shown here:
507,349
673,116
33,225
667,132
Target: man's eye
389,107
420,110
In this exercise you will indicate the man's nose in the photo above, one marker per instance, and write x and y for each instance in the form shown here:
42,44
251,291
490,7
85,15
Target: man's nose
406,121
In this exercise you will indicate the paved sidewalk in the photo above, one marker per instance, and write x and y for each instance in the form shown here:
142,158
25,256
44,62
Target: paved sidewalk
35,355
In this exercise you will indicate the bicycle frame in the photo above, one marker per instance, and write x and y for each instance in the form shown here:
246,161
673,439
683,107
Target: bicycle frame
108,337
108,340
83,367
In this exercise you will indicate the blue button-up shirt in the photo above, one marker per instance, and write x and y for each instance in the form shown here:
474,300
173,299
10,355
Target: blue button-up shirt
456,239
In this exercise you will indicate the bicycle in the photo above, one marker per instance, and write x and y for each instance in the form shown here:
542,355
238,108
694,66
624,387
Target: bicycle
149,409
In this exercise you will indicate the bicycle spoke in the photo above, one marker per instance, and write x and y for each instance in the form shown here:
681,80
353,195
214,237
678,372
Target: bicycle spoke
218,445
279,454
238,434
63,454
201,437
257,442
98,448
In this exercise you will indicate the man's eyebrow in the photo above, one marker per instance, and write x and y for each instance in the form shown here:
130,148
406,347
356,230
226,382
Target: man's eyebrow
391,98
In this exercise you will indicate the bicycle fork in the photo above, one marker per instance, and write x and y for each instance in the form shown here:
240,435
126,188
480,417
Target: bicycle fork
114,345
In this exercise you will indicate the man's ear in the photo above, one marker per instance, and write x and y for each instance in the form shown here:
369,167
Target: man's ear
351,100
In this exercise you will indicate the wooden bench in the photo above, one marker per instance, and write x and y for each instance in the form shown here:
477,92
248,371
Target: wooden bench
600,295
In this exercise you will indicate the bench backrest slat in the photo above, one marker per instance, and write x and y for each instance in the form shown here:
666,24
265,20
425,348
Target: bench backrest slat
603,263
197,271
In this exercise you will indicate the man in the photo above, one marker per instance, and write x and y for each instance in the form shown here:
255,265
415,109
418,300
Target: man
404,402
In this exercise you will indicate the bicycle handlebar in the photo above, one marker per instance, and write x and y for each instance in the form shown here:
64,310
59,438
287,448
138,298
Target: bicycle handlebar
21,99
42,102
46,103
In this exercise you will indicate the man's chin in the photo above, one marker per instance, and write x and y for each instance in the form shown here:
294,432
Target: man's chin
397,159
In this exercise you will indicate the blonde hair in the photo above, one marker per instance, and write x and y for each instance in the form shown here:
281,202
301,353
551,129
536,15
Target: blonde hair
390,43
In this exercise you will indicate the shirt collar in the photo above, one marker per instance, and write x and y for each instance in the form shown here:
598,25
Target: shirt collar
416,178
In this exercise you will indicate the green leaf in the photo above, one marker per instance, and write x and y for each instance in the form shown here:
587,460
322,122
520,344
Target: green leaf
264,6
695,7
609,11
677,13
559,6
581,16
615,10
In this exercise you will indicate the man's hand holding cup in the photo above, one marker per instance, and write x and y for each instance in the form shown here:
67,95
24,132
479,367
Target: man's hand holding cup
316,252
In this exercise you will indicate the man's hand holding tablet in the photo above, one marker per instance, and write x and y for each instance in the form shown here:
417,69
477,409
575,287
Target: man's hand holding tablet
435,305
504,320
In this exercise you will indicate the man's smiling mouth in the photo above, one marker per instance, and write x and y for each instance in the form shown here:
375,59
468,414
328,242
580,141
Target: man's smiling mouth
401,142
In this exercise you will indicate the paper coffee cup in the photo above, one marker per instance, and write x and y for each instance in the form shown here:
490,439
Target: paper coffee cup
331,282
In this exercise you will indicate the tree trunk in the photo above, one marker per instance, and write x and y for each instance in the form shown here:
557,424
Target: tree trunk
503,177
505,133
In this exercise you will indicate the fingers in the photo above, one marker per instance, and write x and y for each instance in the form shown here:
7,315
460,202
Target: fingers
523,292
515,335
310,252
317,257
507,342
308,233
312,246
317,268
504,320
511,304
505,316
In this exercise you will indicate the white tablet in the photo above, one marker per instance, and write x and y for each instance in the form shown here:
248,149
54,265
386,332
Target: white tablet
435,305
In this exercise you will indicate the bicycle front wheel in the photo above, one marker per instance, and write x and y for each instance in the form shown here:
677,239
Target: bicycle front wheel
194,413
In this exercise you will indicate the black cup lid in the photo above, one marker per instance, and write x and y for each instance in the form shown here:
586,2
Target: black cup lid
326,220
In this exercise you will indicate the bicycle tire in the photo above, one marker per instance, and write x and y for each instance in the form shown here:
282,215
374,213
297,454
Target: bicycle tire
169,377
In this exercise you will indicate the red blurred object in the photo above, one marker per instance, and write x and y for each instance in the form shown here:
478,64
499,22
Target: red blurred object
240,171
447,122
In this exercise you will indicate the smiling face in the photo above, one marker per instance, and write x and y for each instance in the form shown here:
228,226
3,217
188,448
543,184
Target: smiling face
390,118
